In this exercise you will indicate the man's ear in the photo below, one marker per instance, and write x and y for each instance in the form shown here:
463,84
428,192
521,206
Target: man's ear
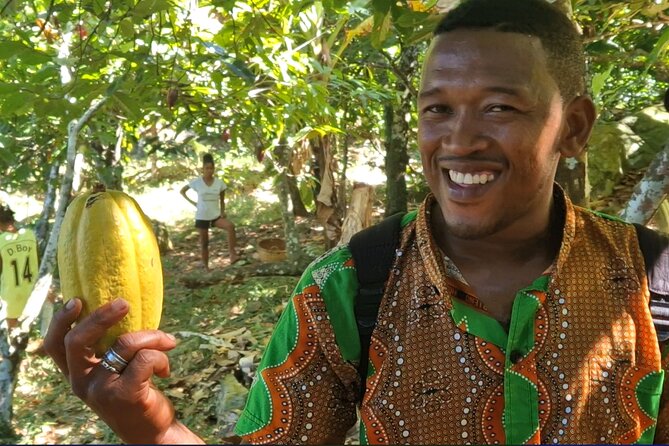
580,116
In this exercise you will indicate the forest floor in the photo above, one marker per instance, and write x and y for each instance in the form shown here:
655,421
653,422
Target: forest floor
218,317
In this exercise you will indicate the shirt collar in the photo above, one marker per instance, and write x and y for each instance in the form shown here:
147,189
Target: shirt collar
443,272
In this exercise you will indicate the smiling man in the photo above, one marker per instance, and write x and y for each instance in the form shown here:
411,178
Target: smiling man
508,315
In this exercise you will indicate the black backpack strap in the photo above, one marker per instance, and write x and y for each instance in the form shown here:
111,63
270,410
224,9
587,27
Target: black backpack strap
373,251
655,249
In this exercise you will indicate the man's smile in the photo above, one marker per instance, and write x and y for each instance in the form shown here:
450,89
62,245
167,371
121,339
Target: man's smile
470,178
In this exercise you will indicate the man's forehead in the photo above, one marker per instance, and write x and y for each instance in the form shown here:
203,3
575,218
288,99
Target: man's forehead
505,62
485,39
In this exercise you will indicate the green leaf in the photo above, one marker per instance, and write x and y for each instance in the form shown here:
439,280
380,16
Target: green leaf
9,48
599,80
26,54
99,7
381,6
147,7
382,25
239,68
16,104
132,108
47,75
659,48
7,88
127,28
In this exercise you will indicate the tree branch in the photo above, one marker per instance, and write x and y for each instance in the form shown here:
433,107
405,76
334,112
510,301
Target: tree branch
9,2
407,84
46,20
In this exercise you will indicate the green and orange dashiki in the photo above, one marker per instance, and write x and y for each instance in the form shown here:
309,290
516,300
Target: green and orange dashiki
579,363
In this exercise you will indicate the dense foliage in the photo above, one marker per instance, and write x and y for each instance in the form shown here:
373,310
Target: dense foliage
249,75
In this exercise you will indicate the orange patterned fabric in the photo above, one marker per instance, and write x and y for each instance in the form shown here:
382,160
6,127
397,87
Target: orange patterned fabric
580,362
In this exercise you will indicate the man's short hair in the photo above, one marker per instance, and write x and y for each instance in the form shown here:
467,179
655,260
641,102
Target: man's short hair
207,159
6,214
559,36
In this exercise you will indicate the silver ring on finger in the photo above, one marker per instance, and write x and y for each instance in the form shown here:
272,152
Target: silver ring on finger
113,362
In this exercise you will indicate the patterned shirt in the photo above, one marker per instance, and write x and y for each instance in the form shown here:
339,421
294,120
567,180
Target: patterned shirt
579,363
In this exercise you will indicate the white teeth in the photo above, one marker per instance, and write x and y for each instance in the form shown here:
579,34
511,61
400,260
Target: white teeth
468,178
456,177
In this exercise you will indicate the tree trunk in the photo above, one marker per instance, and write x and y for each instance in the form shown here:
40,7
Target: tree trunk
296,199
398,132
109,169
12,347
42,226
294,251
359,215
572,175
343,182
326,201
649,193
8,368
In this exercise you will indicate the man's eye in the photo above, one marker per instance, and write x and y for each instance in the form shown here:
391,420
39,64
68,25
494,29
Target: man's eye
438,109
496,108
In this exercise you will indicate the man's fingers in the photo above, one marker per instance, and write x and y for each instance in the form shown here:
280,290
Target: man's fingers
54,342
129,344
144,365
79,342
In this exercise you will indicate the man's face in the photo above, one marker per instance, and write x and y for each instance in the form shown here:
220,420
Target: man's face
208,171
490,119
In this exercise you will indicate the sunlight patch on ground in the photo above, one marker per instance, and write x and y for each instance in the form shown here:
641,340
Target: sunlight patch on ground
162,203
166,204
265,192
265,196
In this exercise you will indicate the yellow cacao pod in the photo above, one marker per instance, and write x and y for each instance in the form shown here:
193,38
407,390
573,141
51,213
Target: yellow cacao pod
107,249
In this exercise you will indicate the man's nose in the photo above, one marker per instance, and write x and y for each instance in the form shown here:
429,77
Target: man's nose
464,134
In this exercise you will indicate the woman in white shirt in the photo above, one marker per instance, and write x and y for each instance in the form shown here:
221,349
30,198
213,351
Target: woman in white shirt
210,209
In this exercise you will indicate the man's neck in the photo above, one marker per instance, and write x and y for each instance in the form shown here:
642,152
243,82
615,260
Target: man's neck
515,244
497,266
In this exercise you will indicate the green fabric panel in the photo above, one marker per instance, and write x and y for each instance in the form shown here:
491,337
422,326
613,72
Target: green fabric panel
258,410
521,328
363,434
408,218
648,393
521,397
647,436
371,370
339,292
521,408
606,216
479,324
539,284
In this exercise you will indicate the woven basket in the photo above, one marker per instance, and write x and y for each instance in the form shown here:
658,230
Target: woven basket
272,250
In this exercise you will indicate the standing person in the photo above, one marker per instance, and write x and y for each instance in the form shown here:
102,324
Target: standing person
210,209
510,315
18,265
